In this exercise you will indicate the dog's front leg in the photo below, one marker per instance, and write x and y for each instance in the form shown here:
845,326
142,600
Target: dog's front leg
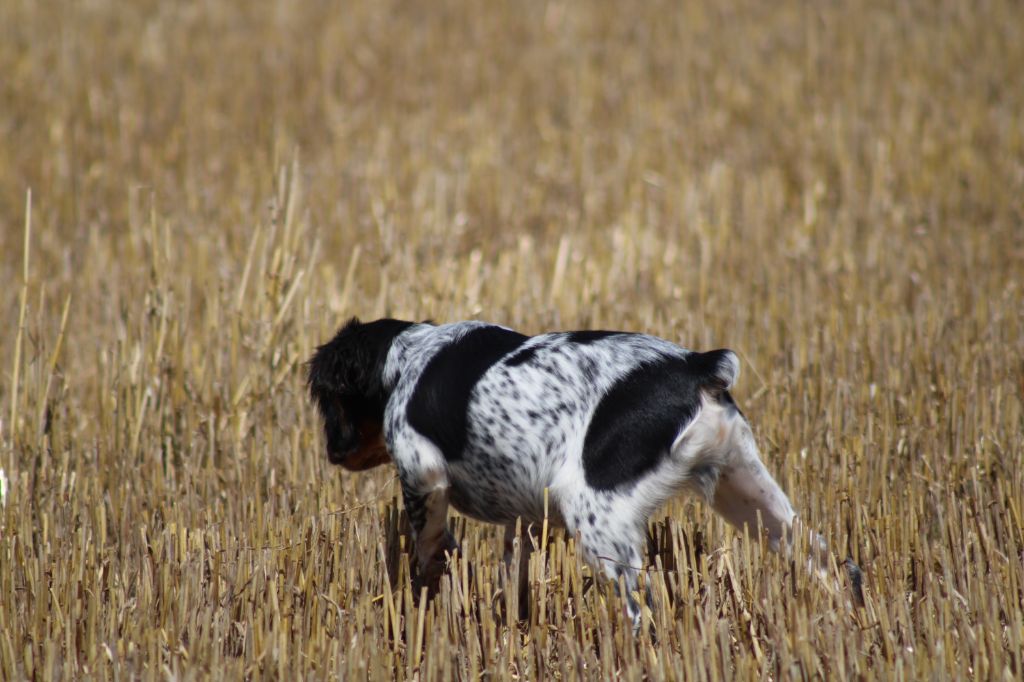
428,517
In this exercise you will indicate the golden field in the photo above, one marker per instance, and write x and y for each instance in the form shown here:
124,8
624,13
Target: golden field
194,194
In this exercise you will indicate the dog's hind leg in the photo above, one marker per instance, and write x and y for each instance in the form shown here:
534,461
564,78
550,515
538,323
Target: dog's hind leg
611,542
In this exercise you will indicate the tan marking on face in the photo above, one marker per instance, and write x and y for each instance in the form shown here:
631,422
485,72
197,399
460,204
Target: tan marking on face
371,452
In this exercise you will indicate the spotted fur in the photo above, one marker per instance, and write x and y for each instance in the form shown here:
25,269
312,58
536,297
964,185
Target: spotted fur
485,419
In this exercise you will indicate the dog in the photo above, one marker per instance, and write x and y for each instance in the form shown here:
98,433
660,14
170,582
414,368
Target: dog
483,418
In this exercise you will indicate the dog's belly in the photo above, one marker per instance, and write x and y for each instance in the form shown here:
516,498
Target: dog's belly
499,493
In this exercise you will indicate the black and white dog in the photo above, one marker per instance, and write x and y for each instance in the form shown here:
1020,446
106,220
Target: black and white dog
481,417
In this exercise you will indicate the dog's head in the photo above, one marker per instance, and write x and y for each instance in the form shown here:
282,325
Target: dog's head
346,381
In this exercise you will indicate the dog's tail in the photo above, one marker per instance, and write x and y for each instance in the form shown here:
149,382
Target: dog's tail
717,370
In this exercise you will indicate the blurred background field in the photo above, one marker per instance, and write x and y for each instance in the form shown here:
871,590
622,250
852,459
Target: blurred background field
835,190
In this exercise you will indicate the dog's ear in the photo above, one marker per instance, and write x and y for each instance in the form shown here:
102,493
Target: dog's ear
352,363
335,366
333,377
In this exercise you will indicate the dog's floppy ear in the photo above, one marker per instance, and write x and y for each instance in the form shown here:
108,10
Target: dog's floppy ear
336,367
332,371
352,363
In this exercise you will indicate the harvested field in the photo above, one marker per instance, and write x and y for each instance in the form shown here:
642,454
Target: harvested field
194,194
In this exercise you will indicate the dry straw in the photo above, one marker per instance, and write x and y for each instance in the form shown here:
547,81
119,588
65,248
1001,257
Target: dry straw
835,190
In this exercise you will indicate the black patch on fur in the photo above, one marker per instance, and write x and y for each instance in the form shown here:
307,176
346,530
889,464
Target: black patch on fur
590,335
638,418
439,403
522,357
346,380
